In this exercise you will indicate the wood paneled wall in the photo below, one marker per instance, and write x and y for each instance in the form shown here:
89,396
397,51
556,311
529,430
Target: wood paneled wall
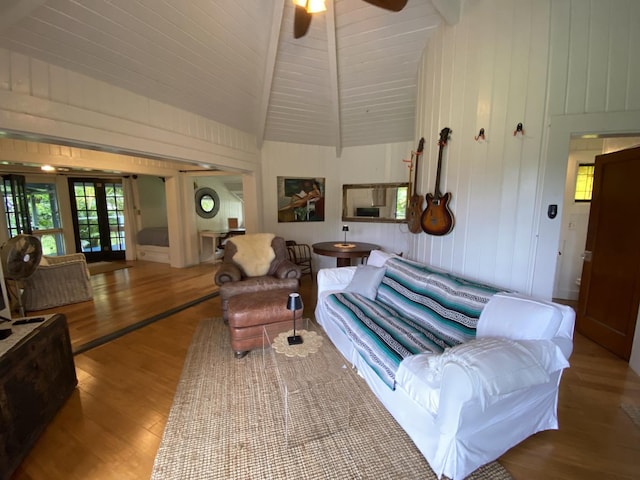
510,62
55,102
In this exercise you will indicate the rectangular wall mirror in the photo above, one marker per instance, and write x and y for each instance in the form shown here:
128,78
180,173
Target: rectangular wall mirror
375,202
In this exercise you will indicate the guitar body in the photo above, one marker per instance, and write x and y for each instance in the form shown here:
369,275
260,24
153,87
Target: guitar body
415,203
437,218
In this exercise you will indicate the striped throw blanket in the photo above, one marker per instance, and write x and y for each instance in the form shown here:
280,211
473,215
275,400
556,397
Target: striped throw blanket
417,309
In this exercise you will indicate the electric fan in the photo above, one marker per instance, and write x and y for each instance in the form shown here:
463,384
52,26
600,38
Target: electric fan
20,257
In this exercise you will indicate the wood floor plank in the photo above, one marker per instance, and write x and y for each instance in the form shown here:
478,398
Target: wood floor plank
112,425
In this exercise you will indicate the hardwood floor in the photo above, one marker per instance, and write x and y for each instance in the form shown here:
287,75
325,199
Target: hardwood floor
127,296
112,425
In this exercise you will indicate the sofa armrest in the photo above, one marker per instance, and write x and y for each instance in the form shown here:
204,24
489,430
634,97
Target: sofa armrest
334,279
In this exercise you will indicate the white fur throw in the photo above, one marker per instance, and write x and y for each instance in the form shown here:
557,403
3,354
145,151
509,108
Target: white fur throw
254,253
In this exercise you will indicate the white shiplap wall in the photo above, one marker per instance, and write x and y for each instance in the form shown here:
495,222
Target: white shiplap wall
371,164
508,62
50,101
484,73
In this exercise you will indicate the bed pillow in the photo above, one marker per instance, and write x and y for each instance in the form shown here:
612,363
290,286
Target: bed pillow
366,280
518,317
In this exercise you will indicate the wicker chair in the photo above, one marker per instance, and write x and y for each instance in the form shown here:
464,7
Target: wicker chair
58,281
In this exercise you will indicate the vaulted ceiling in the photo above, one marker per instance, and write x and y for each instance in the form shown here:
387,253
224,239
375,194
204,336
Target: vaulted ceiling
350,81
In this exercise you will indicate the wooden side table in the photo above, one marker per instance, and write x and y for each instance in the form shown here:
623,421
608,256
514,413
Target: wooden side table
37,375
344,252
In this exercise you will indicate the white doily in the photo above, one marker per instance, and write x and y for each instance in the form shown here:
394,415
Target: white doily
311,343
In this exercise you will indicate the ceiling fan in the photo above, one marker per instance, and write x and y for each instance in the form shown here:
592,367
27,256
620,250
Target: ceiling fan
305,9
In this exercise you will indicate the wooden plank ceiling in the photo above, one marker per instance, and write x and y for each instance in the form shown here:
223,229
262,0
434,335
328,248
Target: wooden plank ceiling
350,81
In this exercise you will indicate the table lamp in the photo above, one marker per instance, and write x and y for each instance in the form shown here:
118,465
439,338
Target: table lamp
345,229
294,303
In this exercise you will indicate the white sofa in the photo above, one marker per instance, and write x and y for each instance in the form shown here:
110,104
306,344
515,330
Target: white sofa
467,405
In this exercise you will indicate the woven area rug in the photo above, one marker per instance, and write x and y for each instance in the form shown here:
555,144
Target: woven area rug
226,422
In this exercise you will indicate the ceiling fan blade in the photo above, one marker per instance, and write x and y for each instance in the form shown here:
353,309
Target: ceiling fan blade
393,5
301,22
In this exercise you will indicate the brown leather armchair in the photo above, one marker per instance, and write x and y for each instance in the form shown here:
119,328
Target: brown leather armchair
255,279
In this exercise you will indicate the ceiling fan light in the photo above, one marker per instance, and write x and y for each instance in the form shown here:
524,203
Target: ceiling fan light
311,6
315,6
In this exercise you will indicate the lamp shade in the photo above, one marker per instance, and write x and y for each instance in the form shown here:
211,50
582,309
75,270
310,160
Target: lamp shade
295,302
345,228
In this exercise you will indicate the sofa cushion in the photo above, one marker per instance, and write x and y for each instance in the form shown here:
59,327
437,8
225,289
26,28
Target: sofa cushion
378,334
446,305
366,280
421,382
514,316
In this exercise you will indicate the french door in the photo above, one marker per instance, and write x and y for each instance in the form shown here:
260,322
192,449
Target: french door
98,217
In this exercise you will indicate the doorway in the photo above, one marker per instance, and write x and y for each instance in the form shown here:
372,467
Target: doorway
570,276
575,214
610,288
97,206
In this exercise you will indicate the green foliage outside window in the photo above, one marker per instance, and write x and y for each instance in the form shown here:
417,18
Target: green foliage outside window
401,203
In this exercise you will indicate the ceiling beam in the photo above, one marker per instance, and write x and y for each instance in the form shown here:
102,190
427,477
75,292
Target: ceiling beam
333,76
449,9
270,64
12,11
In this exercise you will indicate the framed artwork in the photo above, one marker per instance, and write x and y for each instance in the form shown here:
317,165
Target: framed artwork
301,199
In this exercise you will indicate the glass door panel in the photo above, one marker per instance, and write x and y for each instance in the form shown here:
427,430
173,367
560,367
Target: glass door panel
98,208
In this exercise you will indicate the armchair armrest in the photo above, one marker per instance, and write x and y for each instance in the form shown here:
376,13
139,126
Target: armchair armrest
69,258
288,269
228,272
62,262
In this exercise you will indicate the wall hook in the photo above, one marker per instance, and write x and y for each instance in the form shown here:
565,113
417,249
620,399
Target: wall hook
480,135
519,129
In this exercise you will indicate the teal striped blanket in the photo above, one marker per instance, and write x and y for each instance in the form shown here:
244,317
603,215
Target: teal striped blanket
417,309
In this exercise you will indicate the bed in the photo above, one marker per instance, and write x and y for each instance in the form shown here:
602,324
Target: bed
152,244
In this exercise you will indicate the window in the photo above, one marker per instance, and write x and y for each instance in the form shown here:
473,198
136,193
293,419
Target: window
42,199
15,205
32,208
98,207
584,182
401,202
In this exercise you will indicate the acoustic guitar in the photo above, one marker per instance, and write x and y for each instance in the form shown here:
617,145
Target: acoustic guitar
415,203
437,218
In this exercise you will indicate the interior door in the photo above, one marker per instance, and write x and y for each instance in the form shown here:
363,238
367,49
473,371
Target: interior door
98,217
610,284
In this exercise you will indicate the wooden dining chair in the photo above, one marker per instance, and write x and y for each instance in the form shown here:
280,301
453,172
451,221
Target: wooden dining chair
300,254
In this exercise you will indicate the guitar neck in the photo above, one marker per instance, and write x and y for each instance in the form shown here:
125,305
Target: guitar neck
436,191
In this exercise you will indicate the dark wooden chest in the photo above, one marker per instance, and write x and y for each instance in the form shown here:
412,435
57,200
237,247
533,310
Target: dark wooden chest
37,375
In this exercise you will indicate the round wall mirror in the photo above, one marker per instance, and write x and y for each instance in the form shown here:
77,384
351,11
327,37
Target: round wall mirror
207,202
